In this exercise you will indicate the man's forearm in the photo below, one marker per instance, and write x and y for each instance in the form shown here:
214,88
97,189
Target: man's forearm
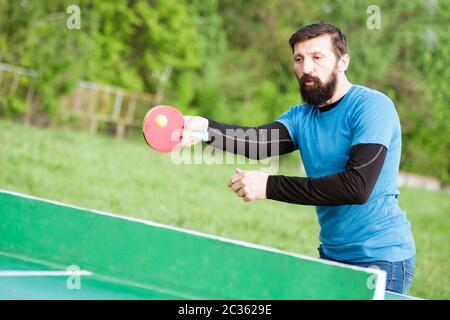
352,186
257,143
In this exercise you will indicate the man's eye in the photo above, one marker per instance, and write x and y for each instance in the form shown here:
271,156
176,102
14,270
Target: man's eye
298,60
317,57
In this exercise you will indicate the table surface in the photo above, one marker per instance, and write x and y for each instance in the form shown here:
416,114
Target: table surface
132,259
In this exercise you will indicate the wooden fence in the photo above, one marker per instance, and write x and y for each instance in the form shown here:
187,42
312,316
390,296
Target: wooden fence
93,105
98,104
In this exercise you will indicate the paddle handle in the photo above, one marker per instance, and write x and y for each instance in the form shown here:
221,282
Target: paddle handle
202,135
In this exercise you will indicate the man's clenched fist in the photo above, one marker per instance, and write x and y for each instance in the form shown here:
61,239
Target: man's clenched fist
249,185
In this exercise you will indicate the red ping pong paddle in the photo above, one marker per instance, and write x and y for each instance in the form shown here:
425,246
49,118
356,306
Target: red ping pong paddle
163,128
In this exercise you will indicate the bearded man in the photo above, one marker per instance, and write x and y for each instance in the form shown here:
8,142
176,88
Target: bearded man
349,139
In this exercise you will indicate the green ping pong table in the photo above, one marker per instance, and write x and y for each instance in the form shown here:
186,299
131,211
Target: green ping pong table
49,250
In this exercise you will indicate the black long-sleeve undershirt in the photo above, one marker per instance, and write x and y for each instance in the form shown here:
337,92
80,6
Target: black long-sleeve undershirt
354,185
351,186
256,143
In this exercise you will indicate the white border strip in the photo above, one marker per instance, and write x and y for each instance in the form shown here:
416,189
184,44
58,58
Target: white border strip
403,296
381,275
380,286
17,273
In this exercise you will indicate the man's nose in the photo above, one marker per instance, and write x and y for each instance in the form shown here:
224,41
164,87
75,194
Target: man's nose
307,66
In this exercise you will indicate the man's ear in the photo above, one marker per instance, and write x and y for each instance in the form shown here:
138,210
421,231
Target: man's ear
343,63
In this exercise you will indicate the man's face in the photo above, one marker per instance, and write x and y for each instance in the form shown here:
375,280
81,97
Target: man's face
316,70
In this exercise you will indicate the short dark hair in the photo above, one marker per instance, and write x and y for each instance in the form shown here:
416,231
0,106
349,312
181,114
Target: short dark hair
338,39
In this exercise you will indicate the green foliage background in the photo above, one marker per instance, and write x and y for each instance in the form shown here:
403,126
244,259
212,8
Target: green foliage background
230,59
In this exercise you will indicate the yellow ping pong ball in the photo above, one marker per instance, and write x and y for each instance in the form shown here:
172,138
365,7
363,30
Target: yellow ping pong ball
161,121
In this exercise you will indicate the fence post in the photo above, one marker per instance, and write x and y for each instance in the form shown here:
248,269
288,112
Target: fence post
91,110
15,83
30,103
120,126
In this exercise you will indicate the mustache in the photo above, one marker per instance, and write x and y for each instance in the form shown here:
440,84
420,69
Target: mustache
309,78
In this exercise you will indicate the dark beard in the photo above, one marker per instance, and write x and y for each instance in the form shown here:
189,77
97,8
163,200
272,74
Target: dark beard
318,93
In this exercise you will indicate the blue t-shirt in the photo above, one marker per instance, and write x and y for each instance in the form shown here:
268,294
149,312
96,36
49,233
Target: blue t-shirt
377,229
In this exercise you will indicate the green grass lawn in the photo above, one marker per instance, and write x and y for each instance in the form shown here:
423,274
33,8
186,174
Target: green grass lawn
127,177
